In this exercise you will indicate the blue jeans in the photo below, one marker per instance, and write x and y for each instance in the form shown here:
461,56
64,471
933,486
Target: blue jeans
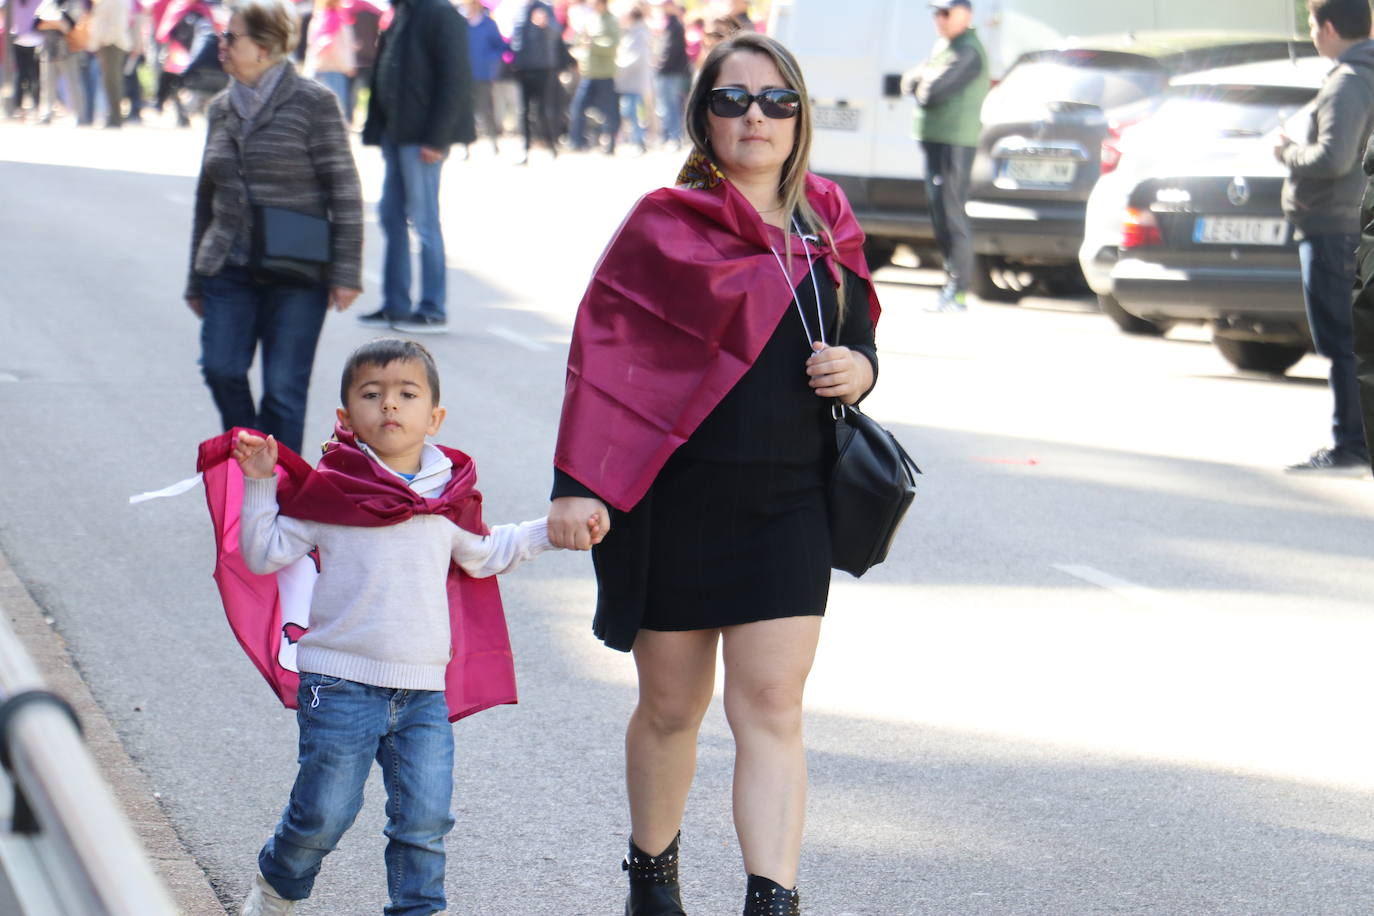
341,84
344,726
286,320
410,197
670,89
598,94
1328,280
629,111
89,73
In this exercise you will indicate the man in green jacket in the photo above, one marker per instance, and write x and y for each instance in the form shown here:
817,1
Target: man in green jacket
949,89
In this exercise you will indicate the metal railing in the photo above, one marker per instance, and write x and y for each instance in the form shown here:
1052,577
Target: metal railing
66,848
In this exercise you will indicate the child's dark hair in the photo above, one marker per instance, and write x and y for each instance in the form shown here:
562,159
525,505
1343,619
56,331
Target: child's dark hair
384,351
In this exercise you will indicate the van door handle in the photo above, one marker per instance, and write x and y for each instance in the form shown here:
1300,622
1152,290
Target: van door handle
892,85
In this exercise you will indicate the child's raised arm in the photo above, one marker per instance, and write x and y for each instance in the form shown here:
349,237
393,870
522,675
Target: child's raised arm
256,456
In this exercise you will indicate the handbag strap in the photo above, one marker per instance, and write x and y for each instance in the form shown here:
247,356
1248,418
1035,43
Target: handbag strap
837,407
811,271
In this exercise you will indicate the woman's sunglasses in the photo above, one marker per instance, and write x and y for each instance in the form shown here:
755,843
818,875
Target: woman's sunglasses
732,102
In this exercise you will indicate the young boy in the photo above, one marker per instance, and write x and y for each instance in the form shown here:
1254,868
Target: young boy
372,662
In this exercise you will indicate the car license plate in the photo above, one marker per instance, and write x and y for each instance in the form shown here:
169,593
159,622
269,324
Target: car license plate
1239,230
1042,171
828,117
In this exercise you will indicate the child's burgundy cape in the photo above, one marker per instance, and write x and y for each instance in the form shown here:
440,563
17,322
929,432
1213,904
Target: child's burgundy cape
681,304
348,488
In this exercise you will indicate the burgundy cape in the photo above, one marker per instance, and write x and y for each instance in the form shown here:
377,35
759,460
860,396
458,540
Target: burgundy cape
349,488
683,301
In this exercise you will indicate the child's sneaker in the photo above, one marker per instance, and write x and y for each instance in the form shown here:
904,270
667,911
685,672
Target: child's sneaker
263,901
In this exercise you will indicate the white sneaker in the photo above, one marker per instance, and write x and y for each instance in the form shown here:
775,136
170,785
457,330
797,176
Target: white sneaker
263,901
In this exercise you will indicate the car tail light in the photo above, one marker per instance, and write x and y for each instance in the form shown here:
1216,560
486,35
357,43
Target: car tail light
1111,144
1111,152
1139,229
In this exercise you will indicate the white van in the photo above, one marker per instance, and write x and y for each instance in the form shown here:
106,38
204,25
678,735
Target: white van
853,54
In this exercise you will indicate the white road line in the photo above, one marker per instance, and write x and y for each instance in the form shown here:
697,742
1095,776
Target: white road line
8,377
373,278
1136,594
520,340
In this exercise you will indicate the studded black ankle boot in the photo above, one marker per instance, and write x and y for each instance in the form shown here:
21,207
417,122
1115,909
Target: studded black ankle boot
769,898
653,882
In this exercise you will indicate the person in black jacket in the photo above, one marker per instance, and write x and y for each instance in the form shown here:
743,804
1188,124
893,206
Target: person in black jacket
421,104
672,75
1320,199
537,49
1364,305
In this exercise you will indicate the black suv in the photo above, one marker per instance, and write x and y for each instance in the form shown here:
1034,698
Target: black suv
1049,132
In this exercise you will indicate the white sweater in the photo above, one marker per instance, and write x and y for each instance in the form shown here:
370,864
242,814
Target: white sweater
379,614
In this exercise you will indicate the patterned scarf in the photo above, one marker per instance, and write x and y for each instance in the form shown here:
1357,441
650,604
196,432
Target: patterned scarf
699,173
249,101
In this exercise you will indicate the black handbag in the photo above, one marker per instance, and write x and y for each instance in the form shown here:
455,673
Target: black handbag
871,487
289,247
873,481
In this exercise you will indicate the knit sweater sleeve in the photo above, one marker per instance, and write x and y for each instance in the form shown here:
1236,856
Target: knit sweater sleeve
205,191
338,175
501,551
268,540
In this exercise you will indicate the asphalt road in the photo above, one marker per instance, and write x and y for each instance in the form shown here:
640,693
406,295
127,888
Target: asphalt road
1116,663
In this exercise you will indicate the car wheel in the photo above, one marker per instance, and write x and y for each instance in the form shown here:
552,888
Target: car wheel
1259,355
878,252
1129,323
995,281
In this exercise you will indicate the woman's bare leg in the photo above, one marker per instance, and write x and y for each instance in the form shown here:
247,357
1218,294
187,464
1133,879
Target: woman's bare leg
677,672
766,666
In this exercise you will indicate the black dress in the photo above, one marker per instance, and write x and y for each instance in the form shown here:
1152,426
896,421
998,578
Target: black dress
734,528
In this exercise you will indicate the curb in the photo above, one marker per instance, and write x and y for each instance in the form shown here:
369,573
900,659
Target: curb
187,883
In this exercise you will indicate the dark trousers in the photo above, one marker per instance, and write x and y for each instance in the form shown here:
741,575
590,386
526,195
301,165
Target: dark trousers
286,320
484,109
25,75
601,95
112,61
133,90
1328,280
947,179
539,105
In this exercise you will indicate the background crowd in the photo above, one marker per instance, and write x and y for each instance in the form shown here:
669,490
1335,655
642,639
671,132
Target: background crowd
542,71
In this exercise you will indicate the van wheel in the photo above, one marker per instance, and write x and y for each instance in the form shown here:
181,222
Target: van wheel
878,252
995,281
1259,355
1129,323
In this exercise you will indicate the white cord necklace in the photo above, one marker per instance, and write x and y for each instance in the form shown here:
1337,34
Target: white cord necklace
801,313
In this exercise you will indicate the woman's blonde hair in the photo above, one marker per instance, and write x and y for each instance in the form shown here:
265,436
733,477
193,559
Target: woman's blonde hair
273,25
792,183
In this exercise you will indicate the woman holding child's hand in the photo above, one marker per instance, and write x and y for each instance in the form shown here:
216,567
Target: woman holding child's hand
723,319
278,139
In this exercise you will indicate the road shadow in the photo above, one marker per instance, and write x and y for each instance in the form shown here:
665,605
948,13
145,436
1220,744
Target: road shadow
984,495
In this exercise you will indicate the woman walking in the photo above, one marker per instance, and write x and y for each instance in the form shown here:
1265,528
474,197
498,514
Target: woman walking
723,319
274,138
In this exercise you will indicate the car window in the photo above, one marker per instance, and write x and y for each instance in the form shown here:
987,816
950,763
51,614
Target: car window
1230,109
1086,77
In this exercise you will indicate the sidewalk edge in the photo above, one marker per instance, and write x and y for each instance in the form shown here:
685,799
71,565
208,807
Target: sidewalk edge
185,880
